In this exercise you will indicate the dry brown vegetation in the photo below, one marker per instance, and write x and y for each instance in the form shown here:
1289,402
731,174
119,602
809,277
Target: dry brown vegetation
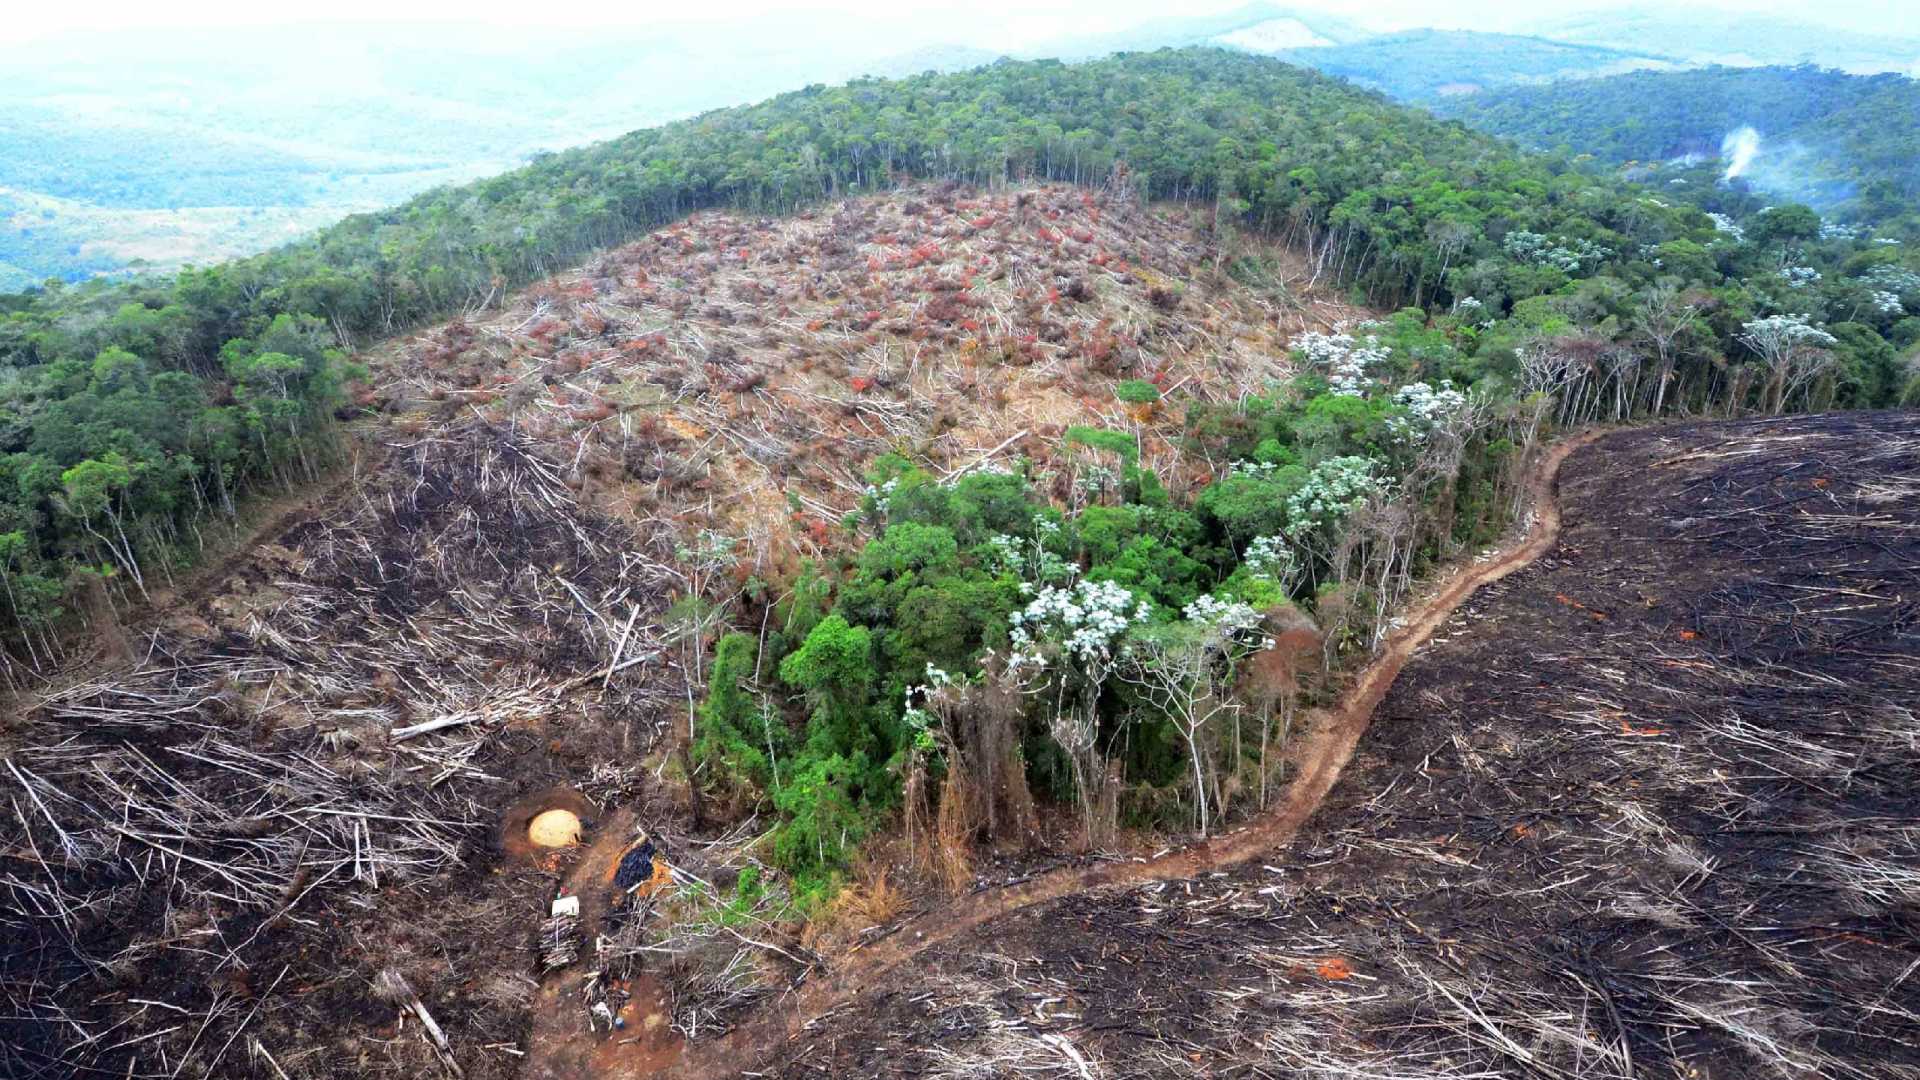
738,373
224,850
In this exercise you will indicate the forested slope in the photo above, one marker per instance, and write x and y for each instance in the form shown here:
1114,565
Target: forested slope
132,408
1843,142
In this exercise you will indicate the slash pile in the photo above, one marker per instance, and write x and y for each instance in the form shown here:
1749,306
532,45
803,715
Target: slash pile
206,861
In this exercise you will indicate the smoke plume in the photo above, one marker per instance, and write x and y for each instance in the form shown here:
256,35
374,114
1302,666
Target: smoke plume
1739,148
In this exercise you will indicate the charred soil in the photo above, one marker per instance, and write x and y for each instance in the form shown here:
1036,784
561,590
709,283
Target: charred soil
1645,807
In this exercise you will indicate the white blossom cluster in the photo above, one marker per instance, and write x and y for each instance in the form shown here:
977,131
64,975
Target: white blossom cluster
918,720
1209,610
1345,359
1469,309
1095,480
882,495
1271,557
1226,620
1887,303
1832,230
1894,279
1887,241
1085,620
1567,254
1003,553
1784,330
1427,407
1334,488
1322,349
1799,276
1268,556
1724,224
1028,560
991,468
1258,469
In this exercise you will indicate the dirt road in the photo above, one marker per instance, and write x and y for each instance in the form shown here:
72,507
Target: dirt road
1645,807
1321,757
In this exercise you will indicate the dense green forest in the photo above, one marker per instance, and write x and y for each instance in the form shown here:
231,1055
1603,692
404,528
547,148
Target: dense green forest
1848,144
133,409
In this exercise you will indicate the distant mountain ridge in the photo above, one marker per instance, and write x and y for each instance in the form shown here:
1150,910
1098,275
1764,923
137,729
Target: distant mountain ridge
1420,65
1733,39
176,147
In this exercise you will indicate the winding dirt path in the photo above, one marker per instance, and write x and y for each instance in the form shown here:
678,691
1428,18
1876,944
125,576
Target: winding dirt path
1321,757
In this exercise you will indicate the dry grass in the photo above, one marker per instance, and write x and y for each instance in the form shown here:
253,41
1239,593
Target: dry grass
872,899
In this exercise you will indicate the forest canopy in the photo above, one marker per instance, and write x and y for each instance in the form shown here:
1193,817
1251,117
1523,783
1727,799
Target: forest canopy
1848,144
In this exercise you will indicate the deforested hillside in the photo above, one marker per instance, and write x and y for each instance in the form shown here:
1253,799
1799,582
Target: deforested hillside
157,406
325,756
701,570
750,370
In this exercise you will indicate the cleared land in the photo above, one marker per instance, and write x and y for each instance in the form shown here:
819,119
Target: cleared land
310,776
1654,798
1647,809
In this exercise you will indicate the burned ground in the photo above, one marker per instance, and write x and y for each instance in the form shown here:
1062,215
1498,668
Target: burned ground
210,859
1646,809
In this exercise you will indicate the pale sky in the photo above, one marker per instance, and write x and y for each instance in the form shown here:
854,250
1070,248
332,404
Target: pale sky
1006,24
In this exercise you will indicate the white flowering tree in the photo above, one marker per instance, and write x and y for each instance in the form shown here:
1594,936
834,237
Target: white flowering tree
1031,559
1431,411
1567,254
1274,558
1799,277
1334,489
1903,283
1065,649
1439,423
1186,670
1794,351
1344,360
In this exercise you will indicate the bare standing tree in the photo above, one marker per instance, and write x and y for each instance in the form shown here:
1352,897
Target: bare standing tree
1186,671
1271,683
1663,319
